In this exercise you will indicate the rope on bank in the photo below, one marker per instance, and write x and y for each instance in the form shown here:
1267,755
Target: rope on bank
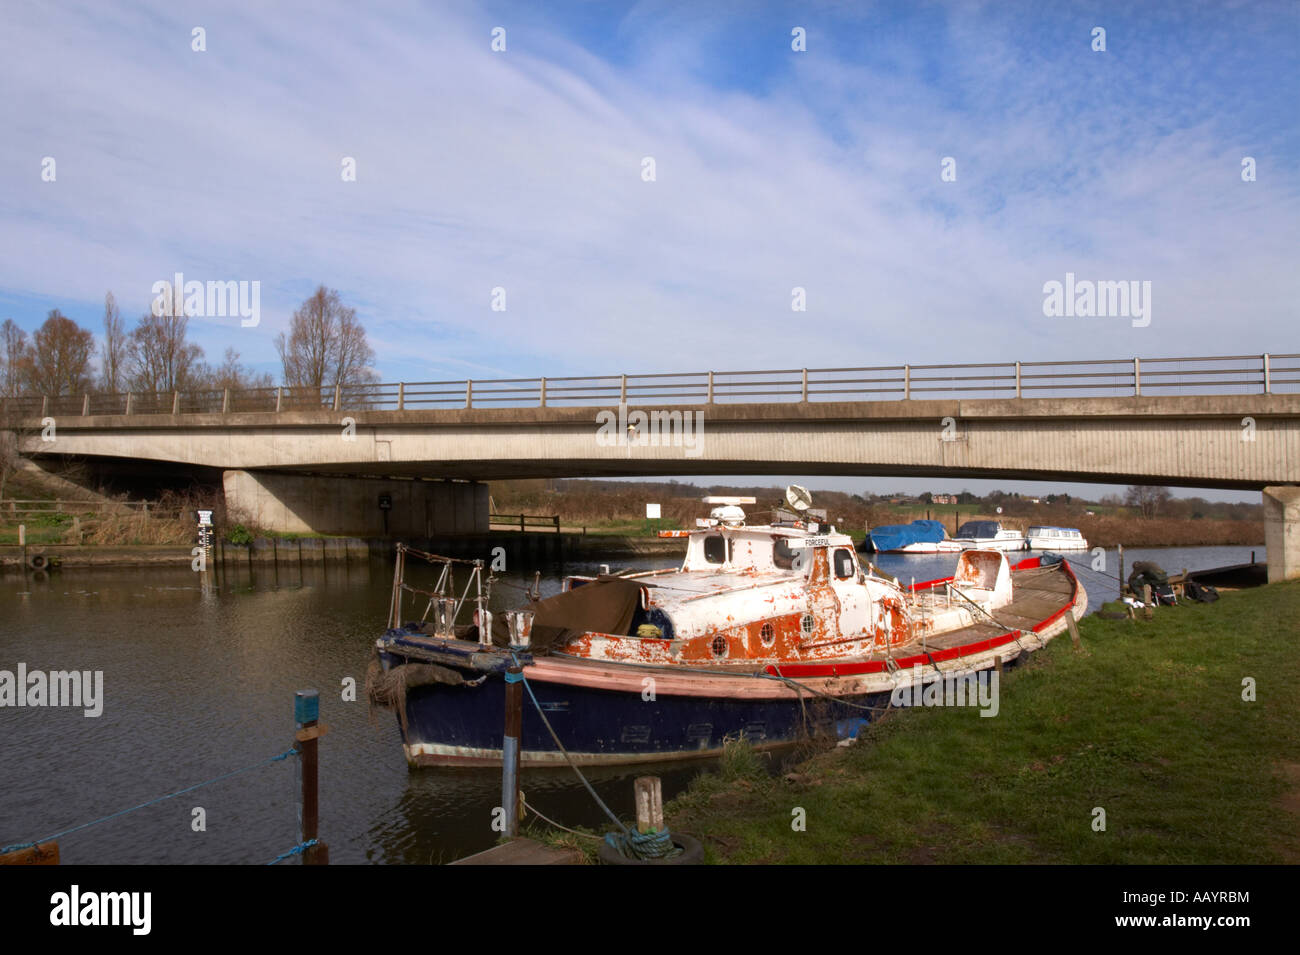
628,842
547,819
564,752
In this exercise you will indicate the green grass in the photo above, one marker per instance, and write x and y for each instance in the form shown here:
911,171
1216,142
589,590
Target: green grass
46,528
1147,722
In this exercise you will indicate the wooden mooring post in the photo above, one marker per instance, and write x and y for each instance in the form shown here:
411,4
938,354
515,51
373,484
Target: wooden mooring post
649,804
306,713
510,749
47,853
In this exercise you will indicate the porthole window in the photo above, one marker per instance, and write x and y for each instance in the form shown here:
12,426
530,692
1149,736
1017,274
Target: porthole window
719,646
806,624
767,633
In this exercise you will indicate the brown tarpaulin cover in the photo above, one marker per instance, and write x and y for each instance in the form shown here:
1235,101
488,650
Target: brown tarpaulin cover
605,605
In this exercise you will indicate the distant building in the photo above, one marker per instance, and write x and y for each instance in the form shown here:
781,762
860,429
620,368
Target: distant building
943,498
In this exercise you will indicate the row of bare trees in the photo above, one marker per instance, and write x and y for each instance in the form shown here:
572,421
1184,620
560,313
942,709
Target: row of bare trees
325,345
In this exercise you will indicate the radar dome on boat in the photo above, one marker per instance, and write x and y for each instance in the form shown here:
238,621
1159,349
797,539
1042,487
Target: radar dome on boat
729,515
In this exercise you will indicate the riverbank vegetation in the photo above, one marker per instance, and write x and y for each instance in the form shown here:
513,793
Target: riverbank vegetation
1148,722
618,507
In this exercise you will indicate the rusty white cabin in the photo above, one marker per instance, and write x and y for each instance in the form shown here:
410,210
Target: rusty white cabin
785,593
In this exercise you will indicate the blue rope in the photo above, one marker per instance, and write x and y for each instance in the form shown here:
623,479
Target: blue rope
296,850
655,844
572,765
85,825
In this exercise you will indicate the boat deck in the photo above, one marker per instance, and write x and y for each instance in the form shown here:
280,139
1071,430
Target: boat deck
1039,593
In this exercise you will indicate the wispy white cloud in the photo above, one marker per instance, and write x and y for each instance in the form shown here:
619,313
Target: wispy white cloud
522,170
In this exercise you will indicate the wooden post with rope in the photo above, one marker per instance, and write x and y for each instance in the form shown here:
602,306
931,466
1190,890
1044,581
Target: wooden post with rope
47,853
649,804
306,713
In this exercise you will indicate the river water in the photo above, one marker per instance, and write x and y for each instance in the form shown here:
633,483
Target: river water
199,677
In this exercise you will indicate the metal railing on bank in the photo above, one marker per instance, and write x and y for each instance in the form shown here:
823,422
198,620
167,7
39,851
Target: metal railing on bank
1217,375
13,510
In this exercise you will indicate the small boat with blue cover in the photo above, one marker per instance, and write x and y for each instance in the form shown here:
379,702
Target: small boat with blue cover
918,537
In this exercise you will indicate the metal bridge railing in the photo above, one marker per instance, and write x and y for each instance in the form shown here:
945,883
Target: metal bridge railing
1225,374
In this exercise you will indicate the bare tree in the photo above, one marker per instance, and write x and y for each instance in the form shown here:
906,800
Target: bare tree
13,343
113,354
159,358
1148,500
326,345
233,375
58,360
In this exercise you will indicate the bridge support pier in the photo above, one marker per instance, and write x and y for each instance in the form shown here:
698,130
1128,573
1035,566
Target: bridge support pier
301,503
1282,532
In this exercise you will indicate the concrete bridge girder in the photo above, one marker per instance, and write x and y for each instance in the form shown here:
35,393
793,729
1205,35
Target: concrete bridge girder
273,463
1246,441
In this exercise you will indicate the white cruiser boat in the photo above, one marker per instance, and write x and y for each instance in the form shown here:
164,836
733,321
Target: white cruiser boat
989,535
1044,537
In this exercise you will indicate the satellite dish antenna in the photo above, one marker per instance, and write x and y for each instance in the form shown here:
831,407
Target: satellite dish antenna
798,497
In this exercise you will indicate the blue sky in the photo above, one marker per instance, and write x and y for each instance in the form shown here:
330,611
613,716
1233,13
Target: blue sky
775,169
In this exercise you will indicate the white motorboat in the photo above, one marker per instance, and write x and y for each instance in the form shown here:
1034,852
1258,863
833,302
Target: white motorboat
989,535
1046,537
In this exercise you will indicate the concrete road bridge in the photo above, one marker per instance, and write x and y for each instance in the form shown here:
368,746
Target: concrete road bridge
319,459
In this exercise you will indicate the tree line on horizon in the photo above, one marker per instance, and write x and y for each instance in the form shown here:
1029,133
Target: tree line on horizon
593,496
325,345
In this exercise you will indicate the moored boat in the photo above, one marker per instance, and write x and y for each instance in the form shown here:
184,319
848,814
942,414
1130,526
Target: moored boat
918,537
1044,537
771,632
989,535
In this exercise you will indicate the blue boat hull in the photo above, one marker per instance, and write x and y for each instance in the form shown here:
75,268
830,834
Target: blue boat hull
463,725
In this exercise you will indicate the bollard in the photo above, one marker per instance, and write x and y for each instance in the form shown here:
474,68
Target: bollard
510,748
649,804
306,713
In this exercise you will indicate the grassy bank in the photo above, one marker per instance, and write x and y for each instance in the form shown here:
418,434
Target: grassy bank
1147,722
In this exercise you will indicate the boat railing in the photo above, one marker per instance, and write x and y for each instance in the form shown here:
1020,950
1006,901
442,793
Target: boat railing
444,604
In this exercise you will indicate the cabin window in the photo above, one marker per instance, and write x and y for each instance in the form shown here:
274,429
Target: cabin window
715,549
719,646
767,633
783,554
843,563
